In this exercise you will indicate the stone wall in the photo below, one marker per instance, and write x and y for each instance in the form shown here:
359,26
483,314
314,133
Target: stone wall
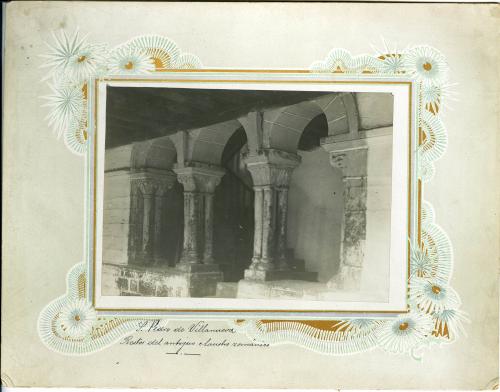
375,276
116,215
316,209
315,213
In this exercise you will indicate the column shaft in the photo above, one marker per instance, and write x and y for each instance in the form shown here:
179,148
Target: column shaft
147,235
159,201
208,228
257,240
190,248
268,227
199,186
282,227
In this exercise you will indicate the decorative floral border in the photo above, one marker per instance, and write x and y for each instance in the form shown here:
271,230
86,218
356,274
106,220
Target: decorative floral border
70,325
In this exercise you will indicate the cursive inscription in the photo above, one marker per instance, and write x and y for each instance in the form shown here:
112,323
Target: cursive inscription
188,338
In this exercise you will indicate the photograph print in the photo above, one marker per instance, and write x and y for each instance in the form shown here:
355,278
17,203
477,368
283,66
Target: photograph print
247,194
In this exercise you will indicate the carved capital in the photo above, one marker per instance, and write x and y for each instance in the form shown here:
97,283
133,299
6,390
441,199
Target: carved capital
147,187
163,187
353,162
349,156
267,174
197,179
337,160
151,182
272,168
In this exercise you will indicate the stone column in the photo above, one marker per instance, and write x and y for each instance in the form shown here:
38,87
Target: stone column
199,184
257,239
147,188
190,244
282,225
148,198
208,228
271,172
268,226
351,158
160,201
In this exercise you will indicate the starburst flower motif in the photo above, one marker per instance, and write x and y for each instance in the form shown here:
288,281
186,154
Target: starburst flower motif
66,103
74,58
163,51
128,60
449,323
319,66
427,64
361,325
405,333
188,61
392,63
421,264
76,135
77,318
390,57
431,96
431,295
435,96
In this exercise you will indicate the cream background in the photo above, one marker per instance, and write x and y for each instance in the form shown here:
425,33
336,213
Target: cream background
43,186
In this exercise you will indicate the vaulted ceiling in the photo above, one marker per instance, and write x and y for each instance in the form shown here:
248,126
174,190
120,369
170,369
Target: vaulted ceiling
141,113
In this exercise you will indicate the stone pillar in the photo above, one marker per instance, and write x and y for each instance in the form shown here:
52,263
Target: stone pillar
257,239
190,244
199,184
282,225
147,188
351,158
271,171
268,226
208,227
148,192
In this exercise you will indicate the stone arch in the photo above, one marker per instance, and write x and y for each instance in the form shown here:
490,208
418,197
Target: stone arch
158,153
341,113
283,127
207,144
313,133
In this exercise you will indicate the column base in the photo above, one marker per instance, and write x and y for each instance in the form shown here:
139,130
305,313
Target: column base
191,280
197,267
256,274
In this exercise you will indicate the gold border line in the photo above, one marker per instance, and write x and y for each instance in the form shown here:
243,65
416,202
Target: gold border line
151,80
94,209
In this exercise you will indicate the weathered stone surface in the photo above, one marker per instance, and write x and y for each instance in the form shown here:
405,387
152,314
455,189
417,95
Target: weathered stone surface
148,193
355,194
254,274
283,289
349,278
351,157
199,184
354,227
164,281
271,171
354,254
226,290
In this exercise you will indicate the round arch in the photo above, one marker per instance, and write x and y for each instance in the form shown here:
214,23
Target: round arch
283,128
159,153
207,144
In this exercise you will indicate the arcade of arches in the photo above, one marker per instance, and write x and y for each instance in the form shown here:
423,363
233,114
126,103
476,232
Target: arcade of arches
278,202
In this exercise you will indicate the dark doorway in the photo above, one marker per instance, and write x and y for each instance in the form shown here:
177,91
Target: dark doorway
234,211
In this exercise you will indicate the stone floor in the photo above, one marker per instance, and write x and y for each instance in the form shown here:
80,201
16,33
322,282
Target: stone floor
283,289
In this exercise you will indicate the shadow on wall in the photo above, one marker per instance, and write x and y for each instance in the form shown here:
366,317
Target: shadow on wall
315,213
